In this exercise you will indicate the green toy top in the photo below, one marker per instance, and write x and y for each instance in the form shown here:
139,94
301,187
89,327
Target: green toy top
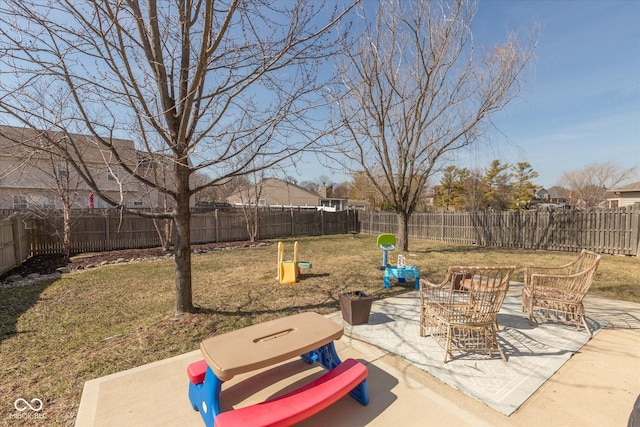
386,240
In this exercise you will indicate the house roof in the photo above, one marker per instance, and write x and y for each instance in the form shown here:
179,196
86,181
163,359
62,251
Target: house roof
18,142
633,187
558,193
290,184
277,191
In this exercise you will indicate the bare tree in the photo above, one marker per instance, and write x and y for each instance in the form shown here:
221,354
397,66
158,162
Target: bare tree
361,188
66,189
311,186
414,90
341,190
209,85
250,193
589,185
208,195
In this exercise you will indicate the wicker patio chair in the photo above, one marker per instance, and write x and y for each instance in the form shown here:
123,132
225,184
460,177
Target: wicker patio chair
461,312
556,293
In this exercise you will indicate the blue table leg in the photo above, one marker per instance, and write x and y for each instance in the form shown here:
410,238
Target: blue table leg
329,359
361,393
205,397
418,282
325,356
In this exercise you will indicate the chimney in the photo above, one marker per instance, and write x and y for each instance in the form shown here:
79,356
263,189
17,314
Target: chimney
323,190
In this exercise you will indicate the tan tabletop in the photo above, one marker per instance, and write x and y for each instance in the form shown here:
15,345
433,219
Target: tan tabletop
268,343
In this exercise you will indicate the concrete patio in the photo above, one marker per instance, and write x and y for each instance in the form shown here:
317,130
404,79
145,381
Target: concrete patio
596,387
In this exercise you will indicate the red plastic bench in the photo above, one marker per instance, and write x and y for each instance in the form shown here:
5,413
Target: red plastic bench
196,371
301,403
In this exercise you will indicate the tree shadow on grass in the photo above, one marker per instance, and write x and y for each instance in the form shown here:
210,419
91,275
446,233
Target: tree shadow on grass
304,276
457,249
282,311
15,302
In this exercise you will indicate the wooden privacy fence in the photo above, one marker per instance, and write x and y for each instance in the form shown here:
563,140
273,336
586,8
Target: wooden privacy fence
109,230
14,243
610,231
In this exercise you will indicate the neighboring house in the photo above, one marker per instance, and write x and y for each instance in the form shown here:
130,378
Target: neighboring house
540,193
610,200
34,179
558,195
626,195
277,192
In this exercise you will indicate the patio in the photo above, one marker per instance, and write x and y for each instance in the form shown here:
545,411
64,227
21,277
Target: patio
596,386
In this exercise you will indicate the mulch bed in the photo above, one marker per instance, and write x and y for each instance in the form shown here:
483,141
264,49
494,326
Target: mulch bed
48,264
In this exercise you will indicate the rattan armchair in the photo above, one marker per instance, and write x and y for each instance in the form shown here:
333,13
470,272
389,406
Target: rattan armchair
461,312
556,293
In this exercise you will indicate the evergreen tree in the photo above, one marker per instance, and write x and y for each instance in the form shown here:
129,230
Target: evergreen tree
498,188
451,192
523,187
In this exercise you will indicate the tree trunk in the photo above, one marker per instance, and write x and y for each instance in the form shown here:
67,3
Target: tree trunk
402,239
182,246
168,232
251,221
66,230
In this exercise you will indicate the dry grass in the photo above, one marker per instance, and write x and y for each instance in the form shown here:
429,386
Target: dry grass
55,336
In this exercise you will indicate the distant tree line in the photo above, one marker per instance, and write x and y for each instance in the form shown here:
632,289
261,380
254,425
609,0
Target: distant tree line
500,186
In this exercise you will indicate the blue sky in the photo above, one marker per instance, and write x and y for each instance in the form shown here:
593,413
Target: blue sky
581,104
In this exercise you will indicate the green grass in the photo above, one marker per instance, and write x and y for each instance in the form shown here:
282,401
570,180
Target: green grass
54,336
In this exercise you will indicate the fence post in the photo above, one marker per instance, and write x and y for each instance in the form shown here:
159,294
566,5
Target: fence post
635,227
293,221
107,230
17,241
216,225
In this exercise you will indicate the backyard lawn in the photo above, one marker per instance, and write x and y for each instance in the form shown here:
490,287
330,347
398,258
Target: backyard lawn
56,335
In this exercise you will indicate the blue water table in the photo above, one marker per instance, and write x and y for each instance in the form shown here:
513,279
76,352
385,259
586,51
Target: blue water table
402,274
386,242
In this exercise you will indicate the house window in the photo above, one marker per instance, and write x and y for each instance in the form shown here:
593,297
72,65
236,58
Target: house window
20,202
63,170
98,203
262,202
47,202
113,174
138,203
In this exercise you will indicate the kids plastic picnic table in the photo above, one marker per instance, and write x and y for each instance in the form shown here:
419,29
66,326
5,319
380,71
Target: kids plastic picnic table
308,335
